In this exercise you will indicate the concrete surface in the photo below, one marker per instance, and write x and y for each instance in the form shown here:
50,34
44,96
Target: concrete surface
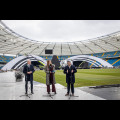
12,90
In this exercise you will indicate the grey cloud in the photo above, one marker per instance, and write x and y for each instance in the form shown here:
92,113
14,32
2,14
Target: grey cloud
63,30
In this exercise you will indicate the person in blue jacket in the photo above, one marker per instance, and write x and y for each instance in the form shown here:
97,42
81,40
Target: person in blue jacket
28,71
69,70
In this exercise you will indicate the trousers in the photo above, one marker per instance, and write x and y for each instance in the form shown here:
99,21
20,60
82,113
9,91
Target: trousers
53,88
26,85
68,88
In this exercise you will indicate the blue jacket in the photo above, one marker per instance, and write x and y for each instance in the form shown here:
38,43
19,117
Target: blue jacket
68,78
28,77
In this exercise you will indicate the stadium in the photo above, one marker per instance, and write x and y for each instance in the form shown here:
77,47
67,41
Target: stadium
97,60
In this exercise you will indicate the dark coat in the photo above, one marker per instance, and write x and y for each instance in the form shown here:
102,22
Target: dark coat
28,77
68,78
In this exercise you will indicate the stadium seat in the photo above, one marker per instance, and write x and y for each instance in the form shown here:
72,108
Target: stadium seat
112,57
6,59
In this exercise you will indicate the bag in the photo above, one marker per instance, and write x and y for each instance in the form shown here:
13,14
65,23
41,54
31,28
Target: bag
19,76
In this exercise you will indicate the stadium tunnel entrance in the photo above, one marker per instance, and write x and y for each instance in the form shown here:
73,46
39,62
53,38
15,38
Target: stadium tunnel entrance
20,61
37,64
81,64
94,61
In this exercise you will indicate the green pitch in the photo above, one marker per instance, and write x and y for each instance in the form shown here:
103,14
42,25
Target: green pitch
84,77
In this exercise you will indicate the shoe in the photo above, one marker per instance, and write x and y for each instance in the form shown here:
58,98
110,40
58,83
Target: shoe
55,93
67,94
26,93
32,92
48,92
73,94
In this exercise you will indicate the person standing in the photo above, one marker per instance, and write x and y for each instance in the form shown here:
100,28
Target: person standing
28,71
69,70
50,76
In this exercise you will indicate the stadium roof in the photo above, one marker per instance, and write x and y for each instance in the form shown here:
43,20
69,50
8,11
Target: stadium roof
13,43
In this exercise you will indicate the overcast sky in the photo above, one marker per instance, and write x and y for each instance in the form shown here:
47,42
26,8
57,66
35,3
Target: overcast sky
63,30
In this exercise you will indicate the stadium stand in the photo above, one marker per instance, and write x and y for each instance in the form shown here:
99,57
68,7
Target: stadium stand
6,59
110,57
114,62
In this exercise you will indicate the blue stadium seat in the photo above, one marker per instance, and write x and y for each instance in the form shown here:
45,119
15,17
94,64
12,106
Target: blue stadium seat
6,58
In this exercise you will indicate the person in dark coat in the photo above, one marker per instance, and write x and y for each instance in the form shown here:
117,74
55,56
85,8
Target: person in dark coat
28,71
69,70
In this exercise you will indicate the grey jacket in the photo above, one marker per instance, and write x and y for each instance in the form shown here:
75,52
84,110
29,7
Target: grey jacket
48,74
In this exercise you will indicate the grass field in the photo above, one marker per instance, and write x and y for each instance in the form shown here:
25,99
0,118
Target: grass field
84,77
